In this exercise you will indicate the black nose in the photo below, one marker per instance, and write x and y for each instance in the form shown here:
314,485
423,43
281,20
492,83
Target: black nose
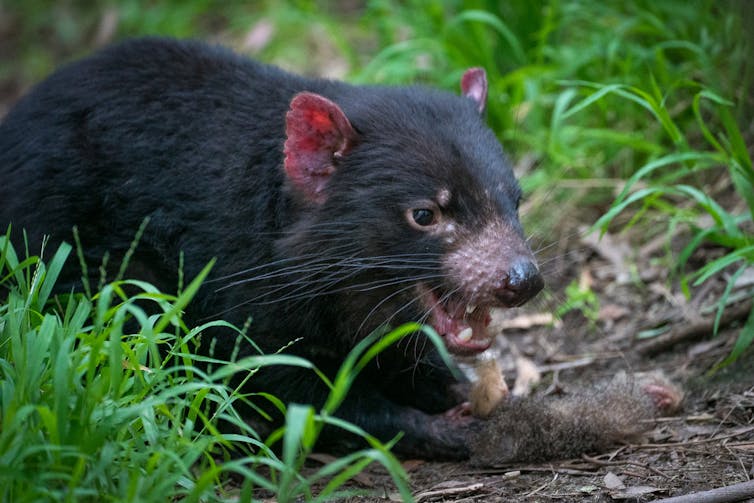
523,283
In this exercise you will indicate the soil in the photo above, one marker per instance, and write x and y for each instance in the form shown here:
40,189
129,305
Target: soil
643,323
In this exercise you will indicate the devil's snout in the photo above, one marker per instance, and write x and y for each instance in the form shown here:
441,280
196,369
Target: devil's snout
522,282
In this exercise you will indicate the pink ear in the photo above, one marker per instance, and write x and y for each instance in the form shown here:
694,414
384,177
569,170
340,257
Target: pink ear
474,86
317,132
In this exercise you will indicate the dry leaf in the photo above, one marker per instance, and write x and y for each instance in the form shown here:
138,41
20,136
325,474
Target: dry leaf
634,492
612,481
612,312
527,376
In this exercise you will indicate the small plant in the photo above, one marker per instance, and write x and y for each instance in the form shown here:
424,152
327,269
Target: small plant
580,297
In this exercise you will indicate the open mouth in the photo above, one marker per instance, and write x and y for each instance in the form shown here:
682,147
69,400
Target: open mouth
464,327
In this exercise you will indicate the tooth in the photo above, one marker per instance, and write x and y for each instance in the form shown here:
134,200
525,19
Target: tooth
470,308
465,334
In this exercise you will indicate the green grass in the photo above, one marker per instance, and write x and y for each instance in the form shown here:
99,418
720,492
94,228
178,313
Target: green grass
668,192
93,411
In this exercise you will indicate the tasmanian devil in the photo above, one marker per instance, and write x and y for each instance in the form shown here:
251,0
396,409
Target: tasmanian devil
332,210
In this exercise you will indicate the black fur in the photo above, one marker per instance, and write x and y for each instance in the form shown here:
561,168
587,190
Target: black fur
192,136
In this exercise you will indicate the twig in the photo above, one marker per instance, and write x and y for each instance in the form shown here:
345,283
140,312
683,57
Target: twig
693,330
536,490
449,491
553,367
738,459
742,445
528,321
533,469
736,492
694,442
599,462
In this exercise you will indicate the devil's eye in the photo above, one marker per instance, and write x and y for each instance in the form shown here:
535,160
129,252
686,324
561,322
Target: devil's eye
423,216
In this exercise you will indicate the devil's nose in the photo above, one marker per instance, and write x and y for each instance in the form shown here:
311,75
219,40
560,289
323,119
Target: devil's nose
522,283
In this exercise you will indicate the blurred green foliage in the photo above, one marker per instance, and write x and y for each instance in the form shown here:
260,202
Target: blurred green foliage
541,57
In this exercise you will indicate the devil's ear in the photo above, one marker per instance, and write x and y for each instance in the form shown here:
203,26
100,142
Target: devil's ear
474,86
317,132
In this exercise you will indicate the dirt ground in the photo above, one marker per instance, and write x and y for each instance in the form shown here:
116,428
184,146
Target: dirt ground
708,444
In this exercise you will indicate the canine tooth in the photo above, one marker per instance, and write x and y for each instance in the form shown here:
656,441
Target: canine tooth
470,308
465,334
